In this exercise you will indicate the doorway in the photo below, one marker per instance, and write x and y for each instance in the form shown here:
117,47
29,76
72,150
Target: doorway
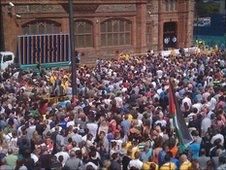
169,35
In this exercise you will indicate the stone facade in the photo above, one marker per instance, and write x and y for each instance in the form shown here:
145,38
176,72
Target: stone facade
147,18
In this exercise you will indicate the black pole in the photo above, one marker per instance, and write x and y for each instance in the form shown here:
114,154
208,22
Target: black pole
197,18
2,46
72,48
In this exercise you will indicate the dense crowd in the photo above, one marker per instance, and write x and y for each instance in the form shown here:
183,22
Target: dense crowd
120,117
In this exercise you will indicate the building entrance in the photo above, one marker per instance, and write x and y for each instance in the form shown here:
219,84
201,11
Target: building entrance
169,35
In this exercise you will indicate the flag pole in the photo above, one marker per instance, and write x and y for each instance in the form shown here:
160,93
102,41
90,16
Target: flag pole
72,51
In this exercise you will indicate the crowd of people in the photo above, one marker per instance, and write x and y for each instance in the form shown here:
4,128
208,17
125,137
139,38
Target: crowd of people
120,117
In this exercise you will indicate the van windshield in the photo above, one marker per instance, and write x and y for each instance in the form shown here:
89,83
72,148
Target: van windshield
7,58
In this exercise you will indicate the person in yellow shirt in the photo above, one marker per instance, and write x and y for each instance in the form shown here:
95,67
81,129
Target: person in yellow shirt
168,165
65,83
130,117
128,145
134,150
150,166
185,163
52,78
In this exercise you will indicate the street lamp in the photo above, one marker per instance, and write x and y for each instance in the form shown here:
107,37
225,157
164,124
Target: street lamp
72,50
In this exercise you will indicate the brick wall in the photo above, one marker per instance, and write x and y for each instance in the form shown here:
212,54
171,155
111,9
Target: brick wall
139,13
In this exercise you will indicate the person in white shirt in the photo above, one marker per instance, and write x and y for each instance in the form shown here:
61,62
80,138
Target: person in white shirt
136,163
217,136
71,121
92,126
198,106
64,153
211,103
205,124
186,100
119,101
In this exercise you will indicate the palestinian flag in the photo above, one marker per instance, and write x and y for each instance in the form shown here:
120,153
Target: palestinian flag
185,138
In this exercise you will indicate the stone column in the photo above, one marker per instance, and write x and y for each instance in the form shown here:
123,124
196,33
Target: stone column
160,26
96,35
152,18
11,29
189,39
141,27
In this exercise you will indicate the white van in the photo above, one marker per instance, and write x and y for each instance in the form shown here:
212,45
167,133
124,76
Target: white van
6,59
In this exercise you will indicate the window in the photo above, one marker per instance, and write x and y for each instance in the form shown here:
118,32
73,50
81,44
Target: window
170,5
115,32
149,34
41,27
83,34
167,5
7,58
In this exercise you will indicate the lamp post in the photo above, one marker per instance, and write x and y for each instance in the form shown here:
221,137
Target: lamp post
72,50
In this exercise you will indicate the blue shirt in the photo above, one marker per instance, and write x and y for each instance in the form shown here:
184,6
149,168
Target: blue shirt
176,162
194,148
63,124
125,126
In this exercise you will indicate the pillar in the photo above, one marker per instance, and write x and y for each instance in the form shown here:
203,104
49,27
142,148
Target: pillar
141,28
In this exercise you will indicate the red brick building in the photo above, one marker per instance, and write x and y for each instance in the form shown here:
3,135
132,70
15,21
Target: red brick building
103,27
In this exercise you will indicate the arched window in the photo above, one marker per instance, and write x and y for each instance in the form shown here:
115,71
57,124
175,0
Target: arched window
83,34
170,5
116,32
41,27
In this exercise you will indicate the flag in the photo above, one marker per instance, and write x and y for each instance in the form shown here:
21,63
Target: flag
185,138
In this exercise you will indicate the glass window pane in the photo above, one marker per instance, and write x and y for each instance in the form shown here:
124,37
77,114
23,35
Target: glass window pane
115,26
83,32
80,41
42,28
109,39
88,28
103,27
115,39
127,39
121,38
121,26
76,41
103,40
167,5
49,28
174,5
88,41
118,32
56,29
80,28
75,27
25,30
33,29
127,26
109,26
